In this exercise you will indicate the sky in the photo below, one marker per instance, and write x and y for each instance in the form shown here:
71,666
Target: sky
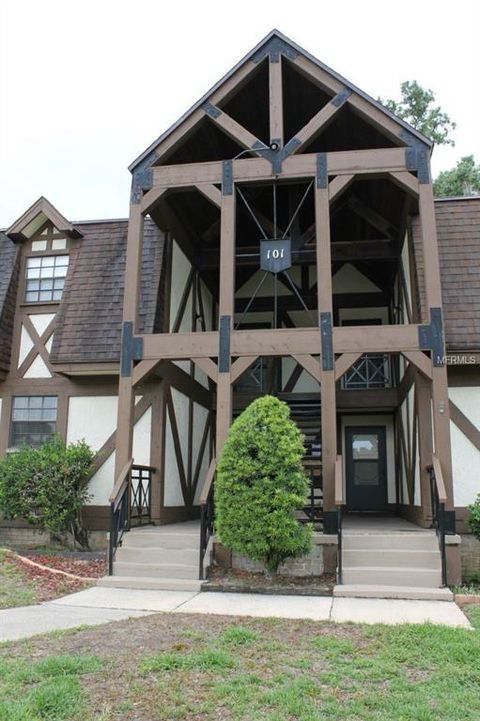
86,86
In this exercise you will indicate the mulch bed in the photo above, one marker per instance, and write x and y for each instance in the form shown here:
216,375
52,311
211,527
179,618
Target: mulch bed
50,585
234,581
89,565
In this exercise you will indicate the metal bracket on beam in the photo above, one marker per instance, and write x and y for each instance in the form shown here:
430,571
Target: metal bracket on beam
430,337
224,344
450,522
227,177
322,171
416,156
326,332
132,349
211,110
273,49
341,97
330,522
142,179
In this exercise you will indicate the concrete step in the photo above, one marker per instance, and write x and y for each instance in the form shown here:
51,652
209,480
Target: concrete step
155,570
160,539
392,557
151,584
388,576
415,541
157,555
379,591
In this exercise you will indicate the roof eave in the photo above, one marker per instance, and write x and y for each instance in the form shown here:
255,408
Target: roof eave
277,33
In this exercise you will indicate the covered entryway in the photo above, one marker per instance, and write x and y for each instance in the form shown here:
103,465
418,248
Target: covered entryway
366,468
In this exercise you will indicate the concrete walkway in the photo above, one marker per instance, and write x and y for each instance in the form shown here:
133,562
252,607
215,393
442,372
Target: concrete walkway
99,605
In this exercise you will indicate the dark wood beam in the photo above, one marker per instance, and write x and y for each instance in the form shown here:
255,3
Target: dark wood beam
372,217
291,302
342,252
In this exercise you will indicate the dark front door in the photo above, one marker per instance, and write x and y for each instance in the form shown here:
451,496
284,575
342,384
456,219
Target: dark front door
366,468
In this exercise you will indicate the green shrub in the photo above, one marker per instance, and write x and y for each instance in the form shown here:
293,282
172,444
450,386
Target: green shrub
260,483
47,486
474,520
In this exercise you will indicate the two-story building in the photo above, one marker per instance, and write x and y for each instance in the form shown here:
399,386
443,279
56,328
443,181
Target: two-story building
282,238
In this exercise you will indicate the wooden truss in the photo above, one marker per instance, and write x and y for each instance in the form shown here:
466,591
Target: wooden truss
326,352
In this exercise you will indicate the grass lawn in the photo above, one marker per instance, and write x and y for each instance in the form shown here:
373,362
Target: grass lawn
22,584
166,667
16,589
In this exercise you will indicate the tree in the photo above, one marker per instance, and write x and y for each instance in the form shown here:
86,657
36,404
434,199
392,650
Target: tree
47,486
261,482
416,107
464,179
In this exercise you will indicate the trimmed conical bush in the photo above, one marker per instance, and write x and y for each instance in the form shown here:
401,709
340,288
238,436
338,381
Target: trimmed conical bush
260,484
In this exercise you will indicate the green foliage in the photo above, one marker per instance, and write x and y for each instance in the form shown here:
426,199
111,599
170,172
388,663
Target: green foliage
463,179
260,483
48,689
47,486
474,520
416,107
205,660
238,636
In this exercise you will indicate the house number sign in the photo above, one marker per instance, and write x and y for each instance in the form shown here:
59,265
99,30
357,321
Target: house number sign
276,255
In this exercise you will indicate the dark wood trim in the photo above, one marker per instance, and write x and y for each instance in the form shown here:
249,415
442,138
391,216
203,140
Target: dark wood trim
177,445
465,425
414,514
96,518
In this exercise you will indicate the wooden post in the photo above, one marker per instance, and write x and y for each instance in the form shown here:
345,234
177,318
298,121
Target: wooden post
433,292
327,372
157,448
425,442
126,394
226,308
276,100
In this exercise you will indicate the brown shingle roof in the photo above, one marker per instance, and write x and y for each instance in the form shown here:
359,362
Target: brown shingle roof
90,315
9,269
458,230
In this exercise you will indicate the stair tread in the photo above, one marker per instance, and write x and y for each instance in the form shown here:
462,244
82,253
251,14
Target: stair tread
149,563
147,582
400,569
376,590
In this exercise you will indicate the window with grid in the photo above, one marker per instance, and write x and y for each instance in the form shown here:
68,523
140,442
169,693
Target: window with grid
33,420
45,278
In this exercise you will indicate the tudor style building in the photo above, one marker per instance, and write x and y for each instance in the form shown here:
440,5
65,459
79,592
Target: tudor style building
282,238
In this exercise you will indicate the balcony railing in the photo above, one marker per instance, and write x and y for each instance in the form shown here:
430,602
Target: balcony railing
373,370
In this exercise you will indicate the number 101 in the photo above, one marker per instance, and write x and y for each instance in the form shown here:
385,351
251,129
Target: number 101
275,253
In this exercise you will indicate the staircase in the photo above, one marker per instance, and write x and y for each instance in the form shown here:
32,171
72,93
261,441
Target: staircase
395,564
306,413
158,558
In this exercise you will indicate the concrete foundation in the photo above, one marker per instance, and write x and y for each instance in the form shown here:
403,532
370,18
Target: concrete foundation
321,559
16,535
470,557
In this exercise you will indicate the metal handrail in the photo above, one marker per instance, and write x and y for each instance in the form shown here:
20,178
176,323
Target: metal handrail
122,498
339,502
207,514
438,498
119,512
122,478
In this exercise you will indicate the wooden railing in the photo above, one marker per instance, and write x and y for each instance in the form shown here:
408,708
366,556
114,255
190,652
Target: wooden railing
141,495
339,502
207,514
119,512
439,497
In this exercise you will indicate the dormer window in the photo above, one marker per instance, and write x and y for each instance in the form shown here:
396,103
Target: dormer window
45,278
